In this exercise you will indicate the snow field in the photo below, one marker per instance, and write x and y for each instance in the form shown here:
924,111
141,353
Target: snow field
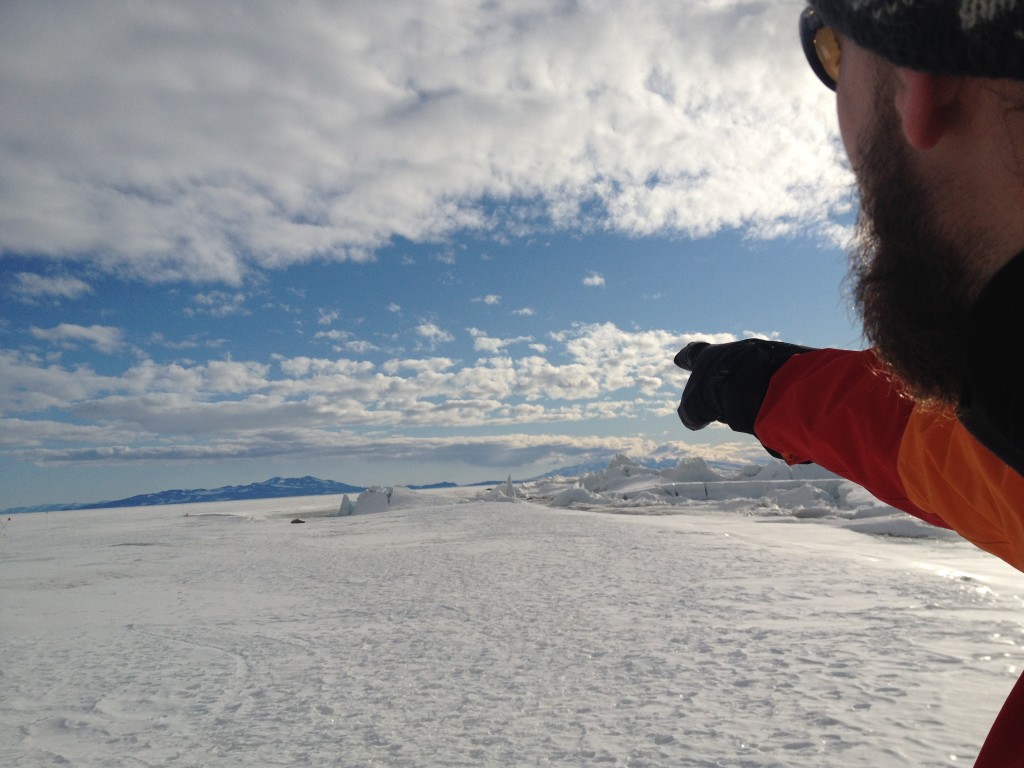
458,632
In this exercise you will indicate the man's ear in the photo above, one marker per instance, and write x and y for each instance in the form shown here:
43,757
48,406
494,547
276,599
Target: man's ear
925,106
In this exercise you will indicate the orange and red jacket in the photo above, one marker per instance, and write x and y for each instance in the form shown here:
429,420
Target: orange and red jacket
837,409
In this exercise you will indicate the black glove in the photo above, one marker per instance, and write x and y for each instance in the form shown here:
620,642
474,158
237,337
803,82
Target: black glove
728,382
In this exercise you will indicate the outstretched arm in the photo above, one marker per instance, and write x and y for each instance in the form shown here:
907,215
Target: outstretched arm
832,407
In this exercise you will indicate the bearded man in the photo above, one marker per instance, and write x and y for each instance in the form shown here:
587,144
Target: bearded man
930,98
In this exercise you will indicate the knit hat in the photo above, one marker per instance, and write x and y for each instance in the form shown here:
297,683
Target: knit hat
971,38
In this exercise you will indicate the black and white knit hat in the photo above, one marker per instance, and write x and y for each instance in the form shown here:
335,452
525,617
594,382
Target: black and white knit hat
972,38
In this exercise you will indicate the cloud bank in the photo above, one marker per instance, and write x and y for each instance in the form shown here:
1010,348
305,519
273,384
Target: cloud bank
303,406
201,141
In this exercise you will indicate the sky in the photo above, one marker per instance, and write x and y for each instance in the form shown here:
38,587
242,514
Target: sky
397,242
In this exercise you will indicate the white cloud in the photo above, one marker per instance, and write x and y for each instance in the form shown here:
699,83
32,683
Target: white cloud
484,343
294,132
333,335
433,365
347,343
25,434
594,280
29,286
327,316
193,342
158,339
226,377
524,312
105,338
433,333
490,300
29,386
359,347
217,304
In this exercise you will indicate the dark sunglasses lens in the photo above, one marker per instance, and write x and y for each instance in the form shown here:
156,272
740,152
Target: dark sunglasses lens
821,47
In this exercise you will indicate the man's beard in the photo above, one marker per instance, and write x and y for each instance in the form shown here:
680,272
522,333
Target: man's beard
912,284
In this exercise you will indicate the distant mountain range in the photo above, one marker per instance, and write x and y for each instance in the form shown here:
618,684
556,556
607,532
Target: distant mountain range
275,487
283,487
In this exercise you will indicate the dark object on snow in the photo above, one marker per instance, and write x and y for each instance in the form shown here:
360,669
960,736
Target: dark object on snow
296,520
728,382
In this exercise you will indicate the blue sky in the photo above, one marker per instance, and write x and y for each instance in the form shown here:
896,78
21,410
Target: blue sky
427,241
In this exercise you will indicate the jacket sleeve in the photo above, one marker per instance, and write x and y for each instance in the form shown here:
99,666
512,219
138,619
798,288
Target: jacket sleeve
834,408
837,409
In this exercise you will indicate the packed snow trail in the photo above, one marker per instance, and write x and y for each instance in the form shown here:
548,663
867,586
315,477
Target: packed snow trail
490,634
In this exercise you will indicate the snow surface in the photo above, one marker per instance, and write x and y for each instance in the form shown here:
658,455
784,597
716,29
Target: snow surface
633,617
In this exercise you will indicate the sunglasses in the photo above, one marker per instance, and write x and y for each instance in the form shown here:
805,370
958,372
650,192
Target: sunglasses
821,46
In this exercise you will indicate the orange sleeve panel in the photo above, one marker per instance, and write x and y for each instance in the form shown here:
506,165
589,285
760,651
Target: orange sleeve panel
832,407
946,470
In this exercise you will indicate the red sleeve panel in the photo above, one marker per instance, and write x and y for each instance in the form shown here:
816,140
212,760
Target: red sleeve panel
834,408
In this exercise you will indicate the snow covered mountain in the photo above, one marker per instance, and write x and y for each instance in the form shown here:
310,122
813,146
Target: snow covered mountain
275,487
